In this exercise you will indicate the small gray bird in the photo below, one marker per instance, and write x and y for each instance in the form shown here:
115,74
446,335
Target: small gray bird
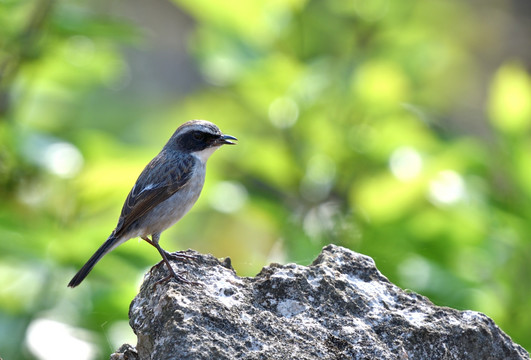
165,191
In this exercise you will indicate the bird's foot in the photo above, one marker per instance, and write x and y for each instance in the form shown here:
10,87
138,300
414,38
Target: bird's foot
176,276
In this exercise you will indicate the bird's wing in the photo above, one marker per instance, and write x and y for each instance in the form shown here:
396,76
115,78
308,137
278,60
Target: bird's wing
158,181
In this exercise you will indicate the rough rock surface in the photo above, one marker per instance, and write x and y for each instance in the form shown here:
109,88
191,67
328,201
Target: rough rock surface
339,307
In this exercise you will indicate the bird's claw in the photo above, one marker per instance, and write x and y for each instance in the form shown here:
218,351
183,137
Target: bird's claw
176,276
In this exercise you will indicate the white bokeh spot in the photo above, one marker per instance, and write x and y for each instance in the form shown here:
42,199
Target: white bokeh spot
228,196
447,188
405,163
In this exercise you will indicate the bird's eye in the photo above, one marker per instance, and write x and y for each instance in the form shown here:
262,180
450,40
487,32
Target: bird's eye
199,135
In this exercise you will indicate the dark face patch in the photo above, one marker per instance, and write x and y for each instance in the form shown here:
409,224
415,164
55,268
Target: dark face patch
196,140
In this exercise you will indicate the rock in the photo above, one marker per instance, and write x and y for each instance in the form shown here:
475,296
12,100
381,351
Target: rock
125,352
339,307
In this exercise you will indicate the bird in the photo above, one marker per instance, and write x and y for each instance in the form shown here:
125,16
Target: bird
164,192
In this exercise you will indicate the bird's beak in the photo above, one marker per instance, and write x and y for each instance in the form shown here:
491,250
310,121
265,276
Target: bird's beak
225,139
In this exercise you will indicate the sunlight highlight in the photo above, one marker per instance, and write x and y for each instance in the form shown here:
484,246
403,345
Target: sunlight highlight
63,159
405,163
447,188
228,196
52,340
283,112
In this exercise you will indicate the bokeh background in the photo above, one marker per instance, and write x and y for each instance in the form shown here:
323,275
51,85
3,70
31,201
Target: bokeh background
398,129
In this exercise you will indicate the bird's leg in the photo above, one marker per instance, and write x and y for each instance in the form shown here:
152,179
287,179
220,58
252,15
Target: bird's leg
174,256
163,253
146,239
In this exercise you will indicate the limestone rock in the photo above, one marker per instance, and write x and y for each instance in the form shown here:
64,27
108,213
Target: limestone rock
339,307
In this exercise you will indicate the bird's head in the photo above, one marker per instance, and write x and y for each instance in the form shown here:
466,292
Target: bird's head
200,138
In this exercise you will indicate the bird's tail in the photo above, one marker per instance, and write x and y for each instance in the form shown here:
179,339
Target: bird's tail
107,246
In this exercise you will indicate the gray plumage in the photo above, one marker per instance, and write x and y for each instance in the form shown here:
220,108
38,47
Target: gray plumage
165,191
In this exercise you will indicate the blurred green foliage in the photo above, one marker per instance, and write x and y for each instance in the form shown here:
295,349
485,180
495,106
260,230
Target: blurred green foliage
373,125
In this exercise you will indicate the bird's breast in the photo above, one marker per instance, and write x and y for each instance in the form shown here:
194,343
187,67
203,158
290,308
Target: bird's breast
176,206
